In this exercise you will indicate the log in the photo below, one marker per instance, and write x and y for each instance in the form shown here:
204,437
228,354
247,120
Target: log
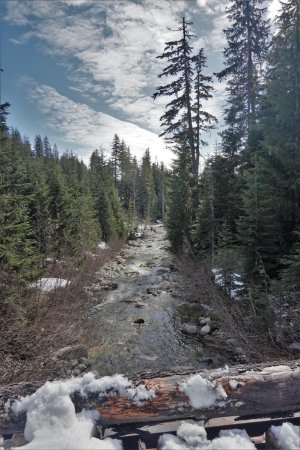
260,392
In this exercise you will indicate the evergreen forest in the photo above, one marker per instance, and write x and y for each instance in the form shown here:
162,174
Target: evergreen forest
240,214
54,208
234,209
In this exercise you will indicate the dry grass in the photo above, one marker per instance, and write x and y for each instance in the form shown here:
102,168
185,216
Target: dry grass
51,321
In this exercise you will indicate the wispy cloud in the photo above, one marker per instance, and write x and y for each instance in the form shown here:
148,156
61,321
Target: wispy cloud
109,49
115,42
87,129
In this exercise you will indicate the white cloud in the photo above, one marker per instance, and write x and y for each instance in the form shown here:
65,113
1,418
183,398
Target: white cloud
273,9
212,6
114,42
87,129
109,50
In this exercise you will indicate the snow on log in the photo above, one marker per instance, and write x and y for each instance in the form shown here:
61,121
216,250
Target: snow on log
237,391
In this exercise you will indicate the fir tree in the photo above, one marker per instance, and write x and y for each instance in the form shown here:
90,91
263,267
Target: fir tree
247,38
177,120
38,147
115,154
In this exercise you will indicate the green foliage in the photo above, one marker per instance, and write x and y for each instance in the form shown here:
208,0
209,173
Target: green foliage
180,198
290,274
19,259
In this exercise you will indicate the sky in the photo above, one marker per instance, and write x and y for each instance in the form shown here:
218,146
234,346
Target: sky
80,71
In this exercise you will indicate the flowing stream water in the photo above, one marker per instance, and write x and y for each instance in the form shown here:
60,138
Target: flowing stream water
138,324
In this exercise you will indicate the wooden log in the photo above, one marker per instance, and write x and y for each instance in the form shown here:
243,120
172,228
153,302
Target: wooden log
260,391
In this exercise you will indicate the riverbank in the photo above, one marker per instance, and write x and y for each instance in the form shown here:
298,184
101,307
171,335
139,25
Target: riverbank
128,308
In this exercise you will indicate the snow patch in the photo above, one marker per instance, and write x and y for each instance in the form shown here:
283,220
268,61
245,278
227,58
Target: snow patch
288,436
275,369
103,246
192,437
192,434
202,393
51,418
234,432
49,284
233,384
235,285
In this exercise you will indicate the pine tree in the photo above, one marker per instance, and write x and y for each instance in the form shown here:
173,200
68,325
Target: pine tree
202,119
260,225
108,208
179,201
55,152
290,274
18,253
185,120
38,147
147,193
47,147
281,115
115,154
3,126
247,38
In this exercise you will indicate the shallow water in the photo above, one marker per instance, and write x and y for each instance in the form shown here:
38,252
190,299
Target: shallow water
156,341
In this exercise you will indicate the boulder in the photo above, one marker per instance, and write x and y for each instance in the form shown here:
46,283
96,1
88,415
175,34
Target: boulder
152,290
120,260
110,286
206,307
294,346
188,328
139,320
72,352
131,272
165,285
204,320
205,330
162,271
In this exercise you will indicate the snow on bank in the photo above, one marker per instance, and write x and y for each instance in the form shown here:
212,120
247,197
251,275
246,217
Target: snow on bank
288,436
192,437
231,281
202,393
49,284
103,246
52,422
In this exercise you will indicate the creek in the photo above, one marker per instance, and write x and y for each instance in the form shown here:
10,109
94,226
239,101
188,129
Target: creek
138,325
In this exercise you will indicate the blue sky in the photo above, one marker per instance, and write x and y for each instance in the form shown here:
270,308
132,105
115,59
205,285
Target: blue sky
81,70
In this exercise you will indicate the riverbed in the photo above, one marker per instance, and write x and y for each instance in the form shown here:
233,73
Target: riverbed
138,324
